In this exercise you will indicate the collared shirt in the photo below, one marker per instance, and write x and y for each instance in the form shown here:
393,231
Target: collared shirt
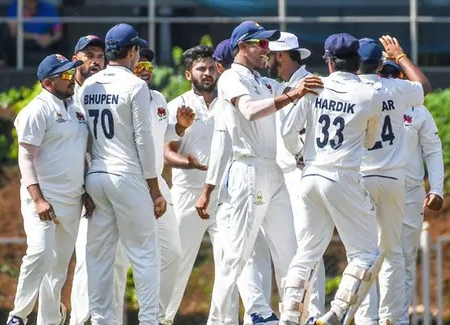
196,139
119,121
395,96
285,159
423,144
59,129
249,138
336,125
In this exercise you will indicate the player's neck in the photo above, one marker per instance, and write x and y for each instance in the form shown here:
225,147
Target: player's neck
291,68
208,97
79,79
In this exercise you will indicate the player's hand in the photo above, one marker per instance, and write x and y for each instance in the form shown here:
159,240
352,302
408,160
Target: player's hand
202,206
45,211
193,163
44,40
392,48
433,202
309,85
185,116
88,205
160,206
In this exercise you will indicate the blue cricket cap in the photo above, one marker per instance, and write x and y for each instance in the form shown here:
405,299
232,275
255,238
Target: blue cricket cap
89,40
369,50
223,53
341,46
123,35
392,64
252,30
54,65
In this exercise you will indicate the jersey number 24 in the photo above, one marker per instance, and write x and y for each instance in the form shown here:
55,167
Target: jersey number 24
386,134
106,121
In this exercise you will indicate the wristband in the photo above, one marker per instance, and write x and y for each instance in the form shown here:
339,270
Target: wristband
399,57
289,97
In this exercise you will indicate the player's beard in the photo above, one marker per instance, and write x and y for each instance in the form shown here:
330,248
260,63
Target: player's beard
201,88
273,69
63,94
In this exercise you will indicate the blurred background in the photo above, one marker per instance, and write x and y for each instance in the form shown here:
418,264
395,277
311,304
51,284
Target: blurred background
172,26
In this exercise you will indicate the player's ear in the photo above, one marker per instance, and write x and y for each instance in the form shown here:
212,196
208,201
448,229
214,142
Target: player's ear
47,84
188,75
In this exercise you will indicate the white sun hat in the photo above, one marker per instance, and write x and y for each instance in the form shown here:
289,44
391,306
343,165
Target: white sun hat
288,42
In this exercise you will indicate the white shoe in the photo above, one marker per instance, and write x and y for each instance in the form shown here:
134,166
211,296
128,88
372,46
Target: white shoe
329,318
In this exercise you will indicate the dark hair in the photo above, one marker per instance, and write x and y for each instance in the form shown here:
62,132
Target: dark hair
369,67
350,64
196,53
120,53
295,56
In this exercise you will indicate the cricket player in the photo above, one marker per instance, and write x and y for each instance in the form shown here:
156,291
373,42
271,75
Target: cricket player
339,121
52,137
188,158
256,194
423,144
383,169
122,180
168,237
255,280
91,50
285,62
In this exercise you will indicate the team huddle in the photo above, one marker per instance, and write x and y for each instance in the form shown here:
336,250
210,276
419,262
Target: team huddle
269,169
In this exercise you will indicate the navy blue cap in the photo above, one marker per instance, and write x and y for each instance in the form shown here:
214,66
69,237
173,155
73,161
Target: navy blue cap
55,64
223,53
88,40
147,53
123,35
369,50
252,30
392,64
341,46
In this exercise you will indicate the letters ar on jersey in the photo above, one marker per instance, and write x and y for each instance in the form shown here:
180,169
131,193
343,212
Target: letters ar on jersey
388,105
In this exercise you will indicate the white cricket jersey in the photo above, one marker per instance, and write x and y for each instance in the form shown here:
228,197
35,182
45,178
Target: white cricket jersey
196,139
61,135
336,122
396,96
423,144
117,103
256,138
221,142
285,159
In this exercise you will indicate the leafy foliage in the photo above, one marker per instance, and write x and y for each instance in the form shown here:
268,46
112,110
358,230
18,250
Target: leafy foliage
438,105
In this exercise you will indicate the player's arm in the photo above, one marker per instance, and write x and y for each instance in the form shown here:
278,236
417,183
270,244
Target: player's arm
140,99
219,156
31,124
292,126
395,53
432,154
176,160
256,109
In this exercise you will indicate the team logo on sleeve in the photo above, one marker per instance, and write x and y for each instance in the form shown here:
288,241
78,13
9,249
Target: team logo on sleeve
80,117
407,119
59,118
161,111
258,198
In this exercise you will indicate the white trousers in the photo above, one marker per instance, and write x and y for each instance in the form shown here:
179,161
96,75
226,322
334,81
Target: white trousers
124,210
316,307
192,230
44,267
328,199
170,252
412,228
387,189
257,199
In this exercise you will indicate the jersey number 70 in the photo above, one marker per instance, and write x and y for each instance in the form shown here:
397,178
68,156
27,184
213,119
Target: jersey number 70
107,122
339,123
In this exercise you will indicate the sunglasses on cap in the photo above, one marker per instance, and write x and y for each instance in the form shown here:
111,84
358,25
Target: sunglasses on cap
263,43
143,65
66,75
